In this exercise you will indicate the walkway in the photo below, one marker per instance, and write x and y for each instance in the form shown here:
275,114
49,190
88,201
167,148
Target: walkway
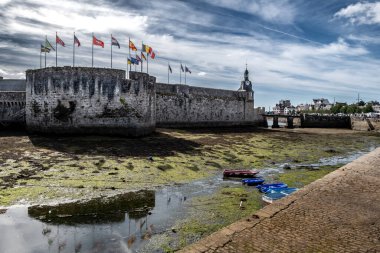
338,213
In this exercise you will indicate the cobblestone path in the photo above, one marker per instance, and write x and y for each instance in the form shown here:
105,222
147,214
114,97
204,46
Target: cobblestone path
337,213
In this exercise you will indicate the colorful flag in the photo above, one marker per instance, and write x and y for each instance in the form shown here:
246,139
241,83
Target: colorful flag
129,61
143,56
114,42
132,46
170,68
48,45
138,58
45,49
134,61
76,41
147,49
97,42
152,55
59,41
182,68
187,69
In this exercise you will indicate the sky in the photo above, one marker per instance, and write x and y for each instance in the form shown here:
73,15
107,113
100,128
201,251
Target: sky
294,49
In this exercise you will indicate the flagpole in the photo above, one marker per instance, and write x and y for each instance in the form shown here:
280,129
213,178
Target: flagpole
56,50
147,63
45,50
92,50
142,63
111,50
180,74
168,72
185,74
40,59
129,49
74,51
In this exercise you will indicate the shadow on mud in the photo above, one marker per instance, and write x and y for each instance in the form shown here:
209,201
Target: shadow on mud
157,144
99,210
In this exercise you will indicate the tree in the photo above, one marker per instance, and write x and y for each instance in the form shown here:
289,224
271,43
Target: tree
361,103
368,108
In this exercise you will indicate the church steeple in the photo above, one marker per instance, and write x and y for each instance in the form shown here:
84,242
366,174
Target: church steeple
246,84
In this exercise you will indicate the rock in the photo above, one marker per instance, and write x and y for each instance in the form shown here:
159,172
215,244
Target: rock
286,167
174,230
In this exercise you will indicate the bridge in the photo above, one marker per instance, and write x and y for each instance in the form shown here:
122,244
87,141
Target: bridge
289,119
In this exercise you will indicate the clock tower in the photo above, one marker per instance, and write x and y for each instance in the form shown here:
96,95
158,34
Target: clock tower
246,84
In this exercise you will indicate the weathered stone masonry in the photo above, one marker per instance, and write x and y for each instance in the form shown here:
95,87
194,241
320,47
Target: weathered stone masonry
12,108
68,100
187,106
89,100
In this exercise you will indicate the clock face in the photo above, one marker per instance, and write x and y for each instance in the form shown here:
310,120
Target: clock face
247,82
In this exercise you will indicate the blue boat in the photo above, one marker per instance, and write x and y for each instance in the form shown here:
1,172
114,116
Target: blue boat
267,187
288,190
275,194
253,181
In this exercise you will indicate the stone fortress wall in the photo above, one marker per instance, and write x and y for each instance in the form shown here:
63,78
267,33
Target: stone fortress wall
80,100
12,108
188,106
66,100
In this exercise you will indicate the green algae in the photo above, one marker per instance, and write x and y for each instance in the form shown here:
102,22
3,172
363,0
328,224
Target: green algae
178,156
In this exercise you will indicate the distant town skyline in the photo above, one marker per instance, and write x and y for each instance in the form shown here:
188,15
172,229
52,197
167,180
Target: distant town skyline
297,50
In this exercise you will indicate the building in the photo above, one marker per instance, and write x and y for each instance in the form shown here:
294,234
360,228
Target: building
322,104
283,107
376,108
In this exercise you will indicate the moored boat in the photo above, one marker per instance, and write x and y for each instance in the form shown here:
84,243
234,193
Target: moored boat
278,193
267,187
253,181
240,173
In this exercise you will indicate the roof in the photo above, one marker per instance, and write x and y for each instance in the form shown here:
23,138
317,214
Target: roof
12,84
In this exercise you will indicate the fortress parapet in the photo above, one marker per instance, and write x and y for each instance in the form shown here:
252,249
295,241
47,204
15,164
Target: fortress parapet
67,100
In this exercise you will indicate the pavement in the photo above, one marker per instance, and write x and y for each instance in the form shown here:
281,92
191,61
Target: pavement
337,213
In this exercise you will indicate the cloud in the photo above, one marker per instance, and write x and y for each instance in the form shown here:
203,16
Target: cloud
202,73
275,11
361,13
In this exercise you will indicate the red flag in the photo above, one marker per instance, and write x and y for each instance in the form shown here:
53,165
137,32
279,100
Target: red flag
59,41
152,55
76,41
97,42
132,46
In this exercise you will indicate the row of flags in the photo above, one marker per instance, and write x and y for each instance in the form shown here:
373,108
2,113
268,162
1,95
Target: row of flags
138,58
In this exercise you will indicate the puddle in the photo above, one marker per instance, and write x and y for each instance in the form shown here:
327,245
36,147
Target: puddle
122,223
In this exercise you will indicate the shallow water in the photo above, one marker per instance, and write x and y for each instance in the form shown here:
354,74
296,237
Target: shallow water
123,223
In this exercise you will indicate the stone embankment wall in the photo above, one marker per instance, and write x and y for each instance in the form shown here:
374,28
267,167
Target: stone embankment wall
187,106
320,121
365,124
89,100
12,108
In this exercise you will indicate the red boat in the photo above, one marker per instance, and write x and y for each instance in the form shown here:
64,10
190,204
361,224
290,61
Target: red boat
240,173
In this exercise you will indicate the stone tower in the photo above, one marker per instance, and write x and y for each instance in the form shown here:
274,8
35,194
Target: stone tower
246,84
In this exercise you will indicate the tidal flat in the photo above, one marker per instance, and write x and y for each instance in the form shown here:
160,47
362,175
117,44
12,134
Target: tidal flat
40,169
184,167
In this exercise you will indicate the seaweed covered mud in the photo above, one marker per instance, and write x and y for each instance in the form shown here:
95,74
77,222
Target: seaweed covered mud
40,169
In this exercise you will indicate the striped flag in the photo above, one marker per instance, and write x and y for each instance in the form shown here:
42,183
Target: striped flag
114,42
147,49
152,55
45,49
132,46
48,45
76,41
138,58
59,41
170,69
143,56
